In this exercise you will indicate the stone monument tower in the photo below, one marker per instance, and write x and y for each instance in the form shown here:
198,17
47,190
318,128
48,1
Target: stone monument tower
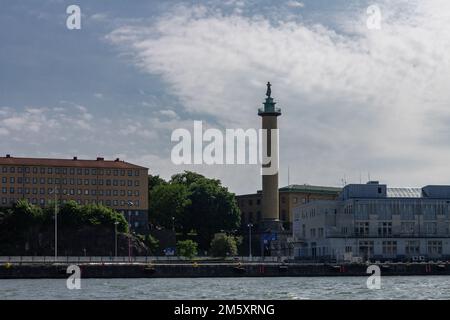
270,201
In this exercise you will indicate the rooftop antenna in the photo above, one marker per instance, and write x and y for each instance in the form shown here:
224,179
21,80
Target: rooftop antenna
360,179
368,175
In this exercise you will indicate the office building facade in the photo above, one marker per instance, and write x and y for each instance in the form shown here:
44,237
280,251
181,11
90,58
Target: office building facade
117,184
373,222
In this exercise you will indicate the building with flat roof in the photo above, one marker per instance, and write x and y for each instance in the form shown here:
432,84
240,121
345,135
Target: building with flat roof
117,184
289,197
373,222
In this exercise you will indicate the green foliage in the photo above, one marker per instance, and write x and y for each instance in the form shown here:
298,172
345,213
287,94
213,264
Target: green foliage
168,202
213,208
187,178
187,248
154,181
223,245
72,216
198,204
29,229
151,243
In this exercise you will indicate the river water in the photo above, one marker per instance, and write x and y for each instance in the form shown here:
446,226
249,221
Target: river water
407,287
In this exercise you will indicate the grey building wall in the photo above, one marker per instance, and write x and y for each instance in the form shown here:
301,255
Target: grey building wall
372,223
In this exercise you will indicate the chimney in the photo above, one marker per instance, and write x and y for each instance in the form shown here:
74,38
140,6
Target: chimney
100,159
75,158
8,156
117,160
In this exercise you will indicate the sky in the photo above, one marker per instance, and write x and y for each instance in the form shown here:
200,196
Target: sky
357,102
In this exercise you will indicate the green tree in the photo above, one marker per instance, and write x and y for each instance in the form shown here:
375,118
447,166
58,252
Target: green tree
28,229
95,214
200,205
151,243
223,245
187,178
154,181
167,204
212,207
21,226
187,248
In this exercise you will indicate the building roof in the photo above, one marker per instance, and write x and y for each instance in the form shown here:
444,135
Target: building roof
404,192
310,189
305,188
74,162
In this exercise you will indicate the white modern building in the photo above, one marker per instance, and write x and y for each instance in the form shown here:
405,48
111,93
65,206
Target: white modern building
373,222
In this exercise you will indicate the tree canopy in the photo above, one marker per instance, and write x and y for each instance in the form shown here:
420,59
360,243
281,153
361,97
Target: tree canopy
26,229
223,245
198,204
187,248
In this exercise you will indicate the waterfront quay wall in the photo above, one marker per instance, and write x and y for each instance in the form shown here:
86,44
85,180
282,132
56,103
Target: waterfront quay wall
199,270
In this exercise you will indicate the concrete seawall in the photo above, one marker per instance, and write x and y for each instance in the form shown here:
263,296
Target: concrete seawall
198,270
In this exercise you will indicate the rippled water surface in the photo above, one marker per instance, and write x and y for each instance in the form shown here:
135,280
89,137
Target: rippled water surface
417,287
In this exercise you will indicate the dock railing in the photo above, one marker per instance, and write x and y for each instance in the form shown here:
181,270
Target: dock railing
136,259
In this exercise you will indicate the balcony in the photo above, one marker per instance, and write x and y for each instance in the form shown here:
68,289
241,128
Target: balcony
269,111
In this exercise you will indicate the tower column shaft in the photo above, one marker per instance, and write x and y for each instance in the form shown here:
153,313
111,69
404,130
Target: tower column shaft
270,197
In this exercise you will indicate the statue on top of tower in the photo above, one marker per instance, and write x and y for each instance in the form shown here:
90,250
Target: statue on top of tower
269,91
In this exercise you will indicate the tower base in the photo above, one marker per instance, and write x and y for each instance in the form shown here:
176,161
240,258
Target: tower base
266,226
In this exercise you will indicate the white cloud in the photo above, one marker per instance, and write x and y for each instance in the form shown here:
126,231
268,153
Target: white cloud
71,130
357,102
168,113
295,4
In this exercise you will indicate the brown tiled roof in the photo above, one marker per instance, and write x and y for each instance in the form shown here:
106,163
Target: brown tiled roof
99,163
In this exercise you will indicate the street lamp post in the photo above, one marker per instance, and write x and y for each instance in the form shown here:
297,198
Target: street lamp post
250,240
130,204
56,223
